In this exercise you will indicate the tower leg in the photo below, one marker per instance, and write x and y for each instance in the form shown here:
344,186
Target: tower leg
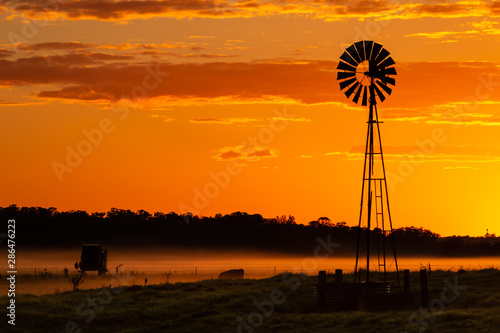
378,177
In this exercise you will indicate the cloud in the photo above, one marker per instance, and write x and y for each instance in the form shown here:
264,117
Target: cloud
70,59
362,7
305,156
209,121
419,154
476,29
444,88
123,46
5,103
76,92
144,48
442,8
465,167
244,153
148,46
296,119
495,8
224,121
206,55
109,10
204,37
4,53
429,87
55,46
467,113
197,48
161,117
189,55
464,119
442,34
329,10
209,81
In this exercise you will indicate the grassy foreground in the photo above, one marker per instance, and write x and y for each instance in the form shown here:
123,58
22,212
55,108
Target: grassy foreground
283,303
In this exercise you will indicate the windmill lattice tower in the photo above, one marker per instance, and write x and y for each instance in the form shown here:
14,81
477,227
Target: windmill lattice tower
365,72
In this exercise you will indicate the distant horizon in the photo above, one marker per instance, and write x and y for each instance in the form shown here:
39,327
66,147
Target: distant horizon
265,217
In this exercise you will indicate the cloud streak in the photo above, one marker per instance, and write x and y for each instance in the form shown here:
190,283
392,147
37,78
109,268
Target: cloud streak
443,154
230,81
330,10
95,76
244,153
224,121
55,46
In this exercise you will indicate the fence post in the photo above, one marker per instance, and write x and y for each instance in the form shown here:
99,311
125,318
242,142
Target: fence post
424,288
339,297
406,280
321,290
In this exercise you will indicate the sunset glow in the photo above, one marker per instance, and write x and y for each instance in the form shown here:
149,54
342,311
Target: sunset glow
221,106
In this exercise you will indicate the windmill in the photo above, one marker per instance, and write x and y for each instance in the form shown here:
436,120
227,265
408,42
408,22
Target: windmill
365,73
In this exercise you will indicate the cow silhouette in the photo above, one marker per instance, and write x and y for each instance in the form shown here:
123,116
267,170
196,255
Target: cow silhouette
232,274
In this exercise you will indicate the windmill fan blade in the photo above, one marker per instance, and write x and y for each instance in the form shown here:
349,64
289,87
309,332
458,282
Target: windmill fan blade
342,65
358,93
361,50
372,65
376,49
349,91
384,86
345,75
368,49
390,80
390,71
379,93
347,58
346,83
354,53
386,63
366,72
381,56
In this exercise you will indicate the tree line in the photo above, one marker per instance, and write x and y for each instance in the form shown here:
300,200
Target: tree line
49,228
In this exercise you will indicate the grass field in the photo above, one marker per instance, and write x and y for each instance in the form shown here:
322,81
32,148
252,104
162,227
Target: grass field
467,301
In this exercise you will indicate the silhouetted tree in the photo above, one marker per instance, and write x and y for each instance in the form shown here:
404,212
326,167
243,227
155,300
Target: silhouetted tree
48,227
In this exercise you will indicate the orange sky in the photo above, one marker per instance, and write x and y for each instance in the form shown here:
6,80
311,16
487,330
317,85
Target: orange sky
238,101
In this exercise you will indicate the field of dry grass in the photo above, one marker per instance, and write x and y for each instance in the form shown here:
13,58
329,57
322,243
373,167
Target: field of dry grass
466,301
